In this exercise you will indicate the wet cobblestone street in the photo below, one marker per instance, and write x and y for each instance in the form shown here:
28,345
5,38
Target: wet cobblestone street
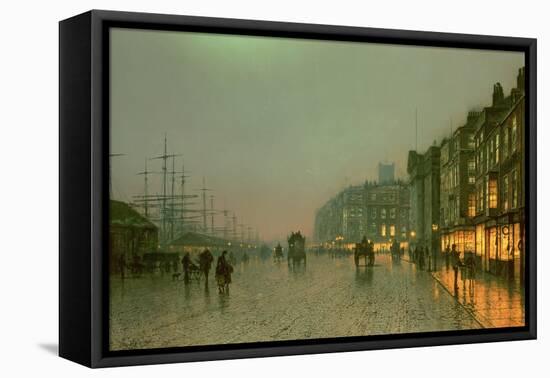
268,302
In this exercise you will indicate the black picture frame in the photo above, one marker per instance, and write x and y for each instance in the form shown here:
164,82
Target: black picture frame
83,180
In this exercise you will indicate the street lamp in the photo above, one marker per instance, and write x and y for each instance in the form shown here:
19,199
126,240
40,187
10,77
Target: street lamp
435,243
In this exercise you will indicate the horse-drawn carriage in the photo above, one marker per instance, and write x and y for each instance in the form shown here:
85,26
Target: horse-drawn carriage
296,249
364,249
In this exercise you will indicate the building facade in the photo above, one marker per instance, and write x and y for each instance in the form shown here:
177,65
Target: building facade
500,183
457,188
378,212
387,212
131,236
424,179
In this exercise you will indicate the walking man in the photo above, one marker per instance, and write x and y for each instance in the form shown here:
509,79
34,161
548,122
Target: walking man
456,264
205,263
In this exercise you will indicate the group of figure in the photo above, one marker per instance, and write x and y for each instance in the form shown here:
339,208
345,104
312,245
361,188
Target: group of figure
419,255
396,251
224,269
468,265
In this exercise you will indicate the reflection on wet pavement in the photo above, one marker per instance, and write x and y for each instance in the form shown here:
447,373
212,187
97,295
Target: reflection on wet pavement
268,302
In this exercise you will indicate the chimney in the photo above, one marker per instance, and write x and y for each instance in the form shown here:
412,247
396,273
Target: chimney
498,94
521,79
472,116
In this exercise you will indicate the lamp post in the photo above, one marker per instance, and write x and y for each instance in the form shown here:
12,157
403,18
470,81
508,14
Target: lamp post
435,229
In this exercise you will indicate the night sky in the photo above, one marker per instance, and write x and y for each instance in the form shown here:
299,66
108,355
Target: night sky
278,126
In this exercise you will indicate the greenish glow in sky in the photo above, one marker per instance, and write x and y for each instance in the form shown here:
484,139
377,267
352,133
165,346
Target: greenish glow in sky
278,126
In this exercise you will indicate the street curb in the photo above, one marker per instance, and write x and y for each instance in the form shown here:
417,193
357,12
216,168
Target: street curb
483,323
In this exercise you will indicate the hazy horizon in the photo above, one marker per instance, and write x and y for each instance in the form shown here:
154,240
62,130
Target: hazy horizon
279,126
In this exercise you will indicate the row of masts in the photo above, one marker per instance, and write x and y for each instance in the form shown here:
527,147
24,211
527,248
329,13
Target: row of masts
174,211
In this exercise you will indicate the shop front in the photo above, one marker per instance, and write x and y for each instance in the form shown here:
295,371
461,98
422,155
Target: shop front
502,251
463,238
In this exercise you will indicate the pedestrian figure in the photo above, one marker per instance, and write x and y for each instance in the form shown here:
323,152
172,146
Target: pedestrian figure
186,262
447,256
510,262
429,257
205,263
223,273
371,253
456,264
420,257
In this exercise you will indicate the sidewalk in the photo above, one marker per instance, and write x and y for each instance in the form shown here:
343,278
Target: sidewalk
493,301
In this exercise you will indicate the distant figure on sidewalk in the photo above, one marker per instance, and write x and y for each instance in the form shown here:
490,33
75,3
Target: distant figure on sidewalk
447,256
456,264
420,257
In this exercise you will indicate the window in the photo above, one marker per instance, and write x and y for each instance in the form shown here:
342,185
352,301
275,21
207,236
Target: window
491,153
373,197
456,175
487,157
383,230
505,146
382,213
482,166
392,213
514,189
492,189
471,143
504,197
373,216
497,148
392,230
471,171
471,205
480,197
514,132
